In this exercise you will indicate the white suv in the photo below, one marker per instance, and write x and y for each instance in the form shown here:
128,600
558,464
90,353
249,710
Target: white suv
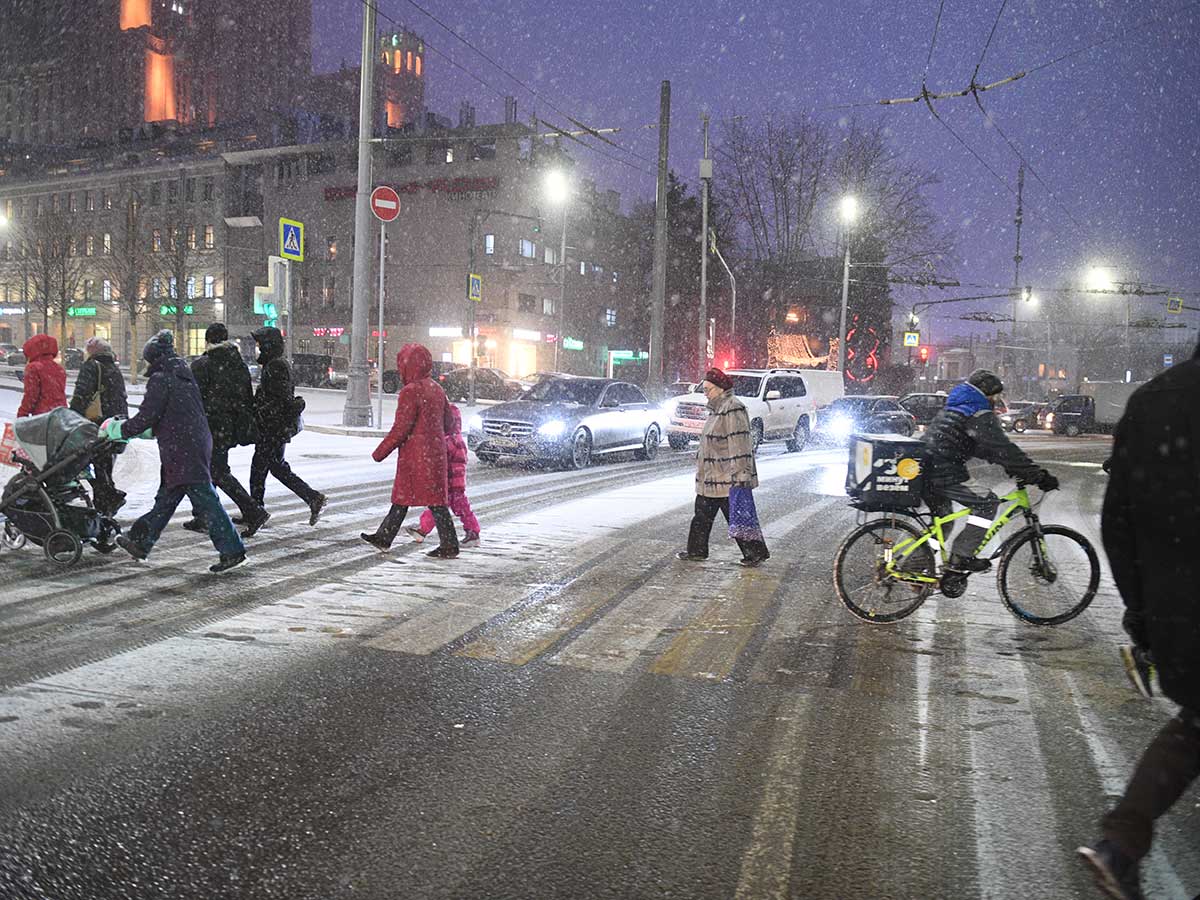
782,404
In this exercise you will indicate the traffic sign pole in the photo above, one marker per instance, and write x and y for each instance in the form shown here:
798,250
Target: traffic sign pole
379,355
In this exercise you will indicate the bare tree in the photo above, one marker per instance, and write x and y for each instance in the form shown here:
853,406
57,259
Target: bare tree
53,268
128,262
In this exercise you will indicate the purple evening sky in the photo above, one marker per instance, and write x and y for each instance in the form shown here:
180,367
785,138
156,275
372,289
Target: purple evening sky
1113,131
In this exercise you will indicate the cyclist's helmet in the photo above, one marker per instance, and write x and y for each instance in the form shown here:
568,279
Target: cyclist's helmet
988,383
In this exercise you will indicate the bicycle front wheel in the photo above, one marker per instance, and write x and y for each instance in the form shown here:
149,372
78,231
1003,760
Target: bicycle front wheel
861,578
1051,580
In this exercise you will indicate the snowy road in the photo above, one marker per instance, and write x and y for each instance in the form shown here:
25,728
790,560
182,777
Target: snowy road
565,711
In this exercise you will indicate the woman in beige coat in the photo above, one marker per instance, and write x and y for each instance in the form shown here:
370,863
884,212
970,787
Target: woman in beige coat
725,460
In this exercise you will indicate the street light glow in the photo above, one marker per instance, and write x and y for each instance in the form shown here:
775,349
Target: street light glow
1099,278
558,187
3,220
849,208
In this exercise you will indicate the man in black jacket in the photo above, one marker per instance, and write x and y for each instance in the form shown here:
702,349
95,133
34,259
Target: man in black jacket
100,379
1151,529
967,429
278,413
224,382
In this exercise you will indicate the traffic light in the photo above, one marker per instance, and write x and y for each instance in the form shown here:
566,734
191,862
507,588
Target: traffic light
923,354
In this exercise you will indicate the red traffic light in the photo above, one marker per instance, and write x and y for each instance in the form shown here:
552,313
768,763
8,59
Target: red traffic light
923,353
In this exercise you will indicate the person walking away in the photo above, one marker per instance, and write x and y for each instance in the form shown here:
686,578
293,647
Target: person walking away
173,412
1150,523
224,382
418,434
966,429
277,409
456,469
99,395
724,460
45,381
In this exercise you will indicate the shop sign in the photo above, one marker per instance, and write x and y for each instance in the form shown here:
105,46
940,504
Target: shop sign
461,185
170,310
572,344
628,354
81,312
523,334
11,311
328,332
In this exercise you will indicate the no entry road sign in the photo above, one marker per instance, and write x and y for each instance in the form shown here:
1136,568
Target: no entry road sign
385,203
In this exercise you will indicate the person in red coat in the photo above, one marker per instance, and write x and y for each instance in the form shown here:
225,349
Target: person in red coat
418,434
45,380
456,458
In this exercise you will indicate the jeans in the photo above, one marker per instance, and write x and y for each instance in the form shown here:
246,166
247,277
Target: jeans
447,536
1167,768
461,507
983,506
268,457
207,508
702,522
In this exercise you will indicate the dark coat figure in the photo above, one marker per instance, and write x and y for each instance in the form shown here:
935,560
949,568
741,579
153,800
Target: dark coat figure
277,409
224,382
1151,528
99,375
173,412
45,381
423,419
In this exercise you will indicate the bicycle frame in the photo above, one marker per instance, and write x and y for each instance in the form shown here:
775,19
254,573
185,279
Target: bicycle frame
895,556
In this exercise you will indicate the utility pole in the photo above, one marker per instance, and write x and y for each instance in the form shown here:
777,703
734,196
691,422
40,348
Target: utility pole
1017,264
706,172
657,310
357,411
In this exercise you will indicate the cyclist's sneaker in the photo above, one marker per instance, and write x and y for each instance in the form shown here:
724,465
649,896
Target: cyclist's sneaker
969,564
1139,666
1115,873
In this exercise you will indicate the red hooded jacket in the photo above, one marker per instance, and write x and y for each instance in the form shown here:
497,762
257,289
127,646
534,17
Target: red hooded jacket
45,380
456,454
423,420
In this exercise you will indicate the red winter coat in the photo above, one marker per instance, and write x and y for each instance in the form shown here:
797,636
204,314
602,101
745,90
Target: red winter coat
419,433
456,454
45,380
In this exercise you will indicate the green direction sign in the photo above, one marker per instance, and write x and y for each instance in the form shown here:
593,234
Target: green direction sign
1174,304
81,312
475,288
912,339
572,344
170,310
618,355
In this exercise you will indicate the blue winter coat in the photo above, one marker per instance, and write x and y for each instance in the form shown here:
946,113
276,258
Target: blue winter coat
173,409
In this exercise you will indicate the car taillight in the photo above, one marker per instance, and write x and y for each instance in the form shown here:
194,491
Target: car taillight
331,371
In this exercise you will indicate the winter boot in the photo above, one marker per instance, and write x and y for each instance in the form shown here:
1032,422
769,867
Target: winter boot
228,561
1115,873
131,547
315,508
442,553
376,541
689,556
253,525
196,525
415,533
471,539
969,563
1139,666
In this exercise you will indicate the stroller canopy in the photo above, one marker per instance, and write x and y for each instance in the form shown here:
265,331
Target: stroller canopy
48,438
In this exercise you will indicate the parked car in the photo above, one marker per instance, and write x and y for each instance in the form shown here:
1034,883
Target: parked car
783,404
6,349
864,414
568,419
391,380
72,358
1097,409
924,407
15,359
312,369
679,388
490,384
1020,416
339,374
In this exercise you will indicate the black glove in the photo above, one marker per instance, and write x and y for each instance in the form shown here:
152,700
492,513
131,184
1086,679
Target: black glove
1047,482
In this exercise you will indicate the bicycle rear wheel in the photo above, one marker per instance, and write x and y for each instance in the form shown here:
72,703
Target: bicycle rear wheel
1050,584
860,577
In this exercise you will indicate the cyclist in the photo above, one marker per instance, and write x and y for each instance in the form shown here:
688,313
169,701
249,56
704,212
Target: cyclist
966,429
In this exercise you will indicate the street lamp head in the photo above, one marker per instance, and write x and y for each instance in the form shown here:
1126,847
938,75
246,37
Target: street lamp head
3,220
557,187
849,208
1099,278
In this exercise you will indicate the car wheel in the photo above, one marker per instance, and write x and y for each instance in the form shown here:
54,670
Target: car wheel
1072,430
799,436
1019,426
581,449
650,444
756,434
488,459
677,441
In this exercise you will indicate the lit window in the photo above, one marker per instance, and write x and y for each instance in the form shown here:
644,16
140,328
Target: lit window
72,247
107,244
449,154
106,290
527,249
89,245
582,267
191,237
134,14
209,238
410,61
89,201
551,256
156,287
71,207
418,67
489,244
106,200
191,287
210,287
173,287
610,317
549,306
332,249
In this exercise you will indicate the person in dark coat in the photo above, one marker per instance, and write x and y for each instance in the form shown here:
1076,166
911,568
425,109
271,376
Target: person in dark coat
423,419
173,411
1151,528
99,395
966,429
45,381
277,409
224,381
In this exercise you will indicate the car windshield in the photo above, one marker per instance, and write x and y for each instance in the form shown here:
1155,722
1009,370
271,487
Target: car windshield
746,385
565,390
850,406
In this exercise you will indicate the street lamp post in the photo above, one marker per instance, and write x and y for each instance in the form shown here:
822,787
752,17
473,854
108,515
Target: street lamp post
849,211
558,193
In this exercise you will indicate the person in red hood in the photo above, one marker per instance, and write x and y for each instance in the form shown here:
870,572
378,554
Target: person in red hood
45,380
456,458
423,419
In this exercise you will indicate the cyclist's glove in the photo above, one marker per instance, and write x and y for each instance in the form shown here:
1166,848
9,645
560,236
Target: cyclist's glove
1047,482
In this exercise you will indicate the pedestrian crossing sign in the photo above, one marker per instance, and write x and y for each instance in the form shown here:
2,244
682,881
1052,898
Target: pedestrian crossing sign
291,240
912,339
1174,304
475,288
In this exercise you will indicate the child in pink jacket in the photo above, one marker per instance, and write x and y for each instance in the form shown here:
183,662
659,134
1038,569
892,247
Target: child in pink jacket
456,459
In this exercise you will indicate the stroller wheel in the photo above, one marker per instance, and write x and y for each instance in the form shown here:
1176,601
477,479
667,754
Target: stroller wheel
12,539
63,548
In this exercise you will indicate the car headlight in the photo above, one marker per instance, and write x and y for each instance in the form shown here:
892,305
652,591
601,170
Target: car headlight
553,428
1049,418
841,427
475,423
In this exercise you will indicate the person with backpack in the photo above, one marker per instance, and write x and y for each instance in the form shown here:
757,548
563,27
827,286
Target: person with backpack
99,395
224,381
277,410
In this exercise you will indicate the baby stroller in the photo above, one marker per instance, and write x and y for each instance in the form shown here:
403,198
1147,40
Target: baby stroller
45,502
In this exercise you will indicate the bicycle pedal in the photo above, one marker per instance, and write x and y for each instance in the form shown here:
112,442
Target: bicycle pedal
953,584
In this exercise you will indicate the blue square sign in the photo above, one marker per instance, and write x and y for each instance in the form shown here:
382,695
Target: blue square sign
291,240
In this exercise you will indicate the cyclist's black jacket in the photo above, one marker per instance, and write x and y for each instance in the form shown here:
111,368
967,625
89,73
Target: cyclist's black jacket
967,429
